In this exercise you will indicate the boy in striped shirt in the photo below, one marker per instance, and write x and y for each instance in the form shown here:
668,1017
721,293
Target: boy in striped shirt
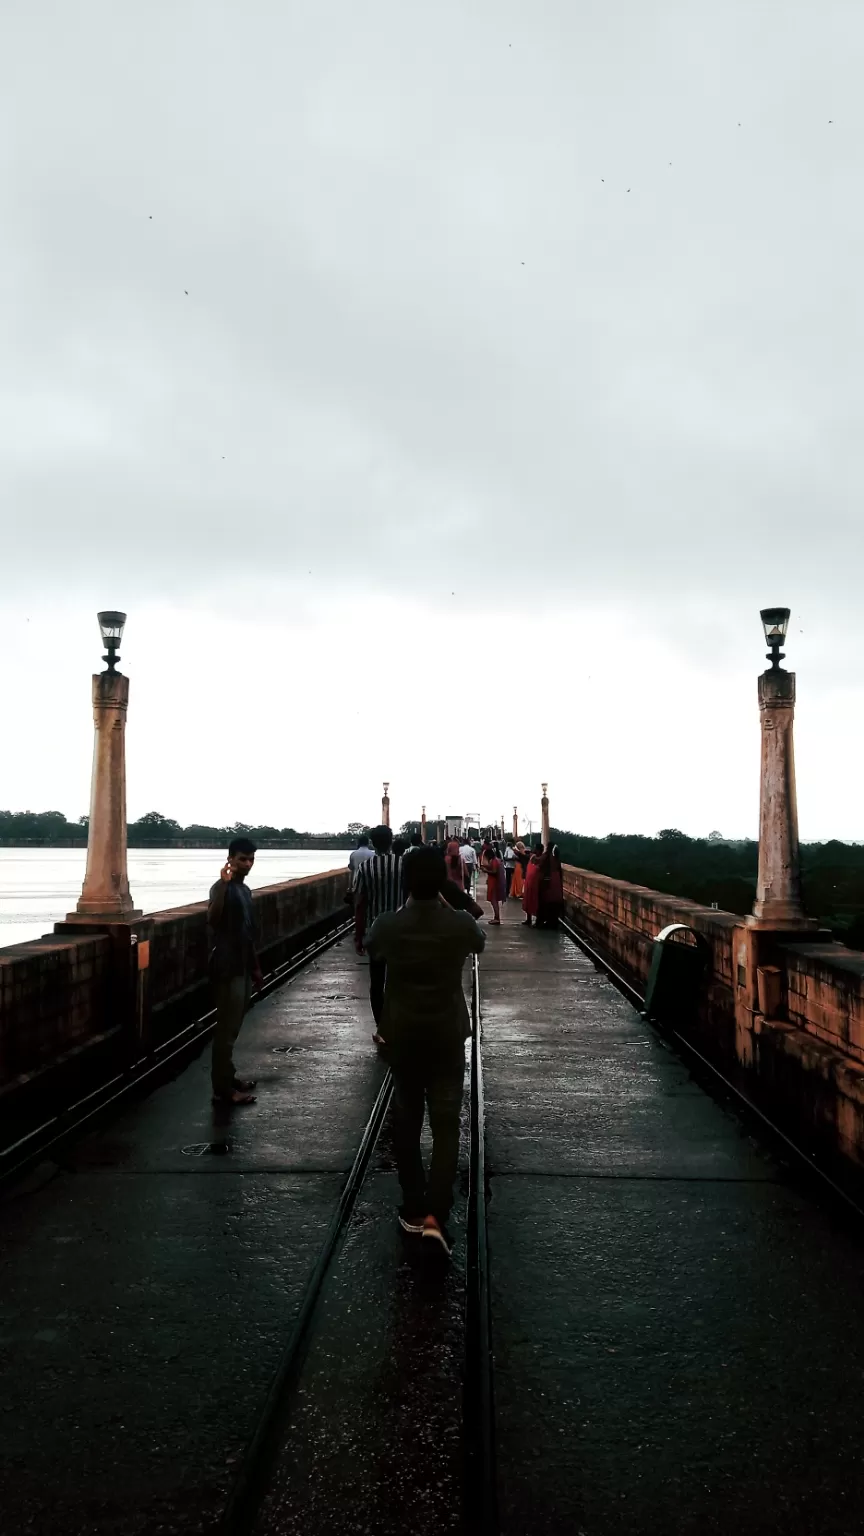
377,888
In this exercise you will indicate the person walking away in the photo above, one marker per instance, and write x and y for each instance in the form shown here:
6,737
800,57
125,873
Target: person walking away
469,863
377,889
355,858
551,893
360,854
425,1023
492,866
502,875
454,861
531,894
509,865
234,967
519,868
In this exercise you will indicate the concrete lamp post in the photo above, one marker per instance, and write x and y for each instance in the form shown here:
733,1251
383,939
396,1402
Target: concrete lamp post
105,897
385,806
515,825
778,886
544,815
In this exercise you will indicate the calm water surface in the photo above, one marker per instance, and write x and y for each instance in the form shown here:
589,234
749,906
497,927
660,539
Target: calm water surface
38,886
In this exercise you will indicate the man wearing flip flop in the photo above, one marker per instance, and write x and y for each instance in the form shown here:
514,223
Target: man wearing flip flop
425,1023
233,966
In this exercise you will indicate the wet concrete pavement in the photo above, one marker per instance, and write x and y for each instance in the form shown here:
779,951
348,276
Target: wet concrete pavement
147,1289
678,1329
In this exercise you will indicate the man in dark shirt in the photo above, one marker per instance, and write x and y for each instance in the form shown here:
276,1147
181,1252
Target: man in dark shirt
425,1023
234,967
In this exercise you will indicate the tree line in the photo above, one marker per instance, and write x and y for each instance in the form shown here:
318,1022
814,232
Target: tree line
50,829
714,868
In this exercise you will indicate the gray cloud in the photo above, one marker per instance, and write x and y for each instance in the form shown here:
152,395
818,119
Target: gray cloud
427,324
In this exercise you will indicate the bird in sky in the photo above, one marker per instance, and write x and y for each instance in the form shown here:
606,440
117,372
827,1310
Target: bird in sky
186,291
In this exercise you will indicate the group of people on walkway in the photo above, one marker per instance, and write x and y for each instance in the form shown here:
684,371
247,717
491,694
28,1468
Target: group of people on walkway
513,872
417,920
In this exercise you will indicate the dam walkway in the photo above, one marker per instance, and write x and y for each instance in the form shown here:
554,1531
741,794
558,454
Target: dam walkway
677,1335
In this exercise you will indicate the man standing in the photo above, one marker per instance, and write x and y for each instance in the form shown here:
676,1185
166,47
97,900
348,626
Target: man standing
377,889
234,967
509,864
425,1023
469,862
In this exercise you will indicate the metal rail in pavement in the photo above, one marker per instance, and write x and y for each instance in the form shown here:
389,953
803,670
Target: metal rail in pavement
479,1492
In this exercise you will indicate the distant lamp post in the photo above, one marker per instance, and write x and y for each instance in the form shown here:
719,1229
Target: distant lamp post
105,895
544,815
778,885
423,824
515,825
385,806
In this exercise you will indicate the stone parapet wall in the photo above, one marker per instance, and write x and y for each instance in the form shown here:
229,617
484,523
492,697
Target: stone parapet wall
67,992
54,997
825,994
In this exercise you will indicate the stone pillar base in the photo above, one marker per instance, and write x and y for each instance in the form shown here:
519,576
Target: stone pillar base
99,919
784,925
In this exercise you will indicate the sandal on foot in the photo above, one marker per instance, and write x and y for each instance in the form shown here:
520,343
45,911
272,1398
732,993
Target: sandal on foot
237,1097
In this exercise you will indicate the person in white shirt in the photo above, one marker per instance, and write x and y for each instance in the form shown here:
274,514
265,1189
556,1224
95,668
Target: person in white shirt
509,864
360,854
469,863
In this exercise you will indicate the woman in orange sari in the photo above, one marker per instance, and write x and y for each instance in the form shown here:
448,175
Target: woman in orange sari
518,882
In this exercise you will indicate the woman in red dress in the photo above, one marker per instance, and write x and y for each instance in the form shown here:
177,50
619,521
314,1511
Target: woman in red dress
531,894
550,890
494,870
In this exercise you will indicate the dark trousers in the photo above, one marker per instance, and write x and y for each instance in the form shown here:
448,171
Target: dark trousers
509,874
437,1086
232,1001
377,978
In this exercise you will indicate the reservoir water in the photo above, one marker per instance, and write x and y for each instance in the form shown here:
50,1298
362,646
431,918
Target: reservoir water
38,886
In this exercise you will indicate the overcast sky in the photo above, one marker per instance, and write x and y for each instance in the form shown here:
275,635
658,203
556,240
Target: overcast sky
442,391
